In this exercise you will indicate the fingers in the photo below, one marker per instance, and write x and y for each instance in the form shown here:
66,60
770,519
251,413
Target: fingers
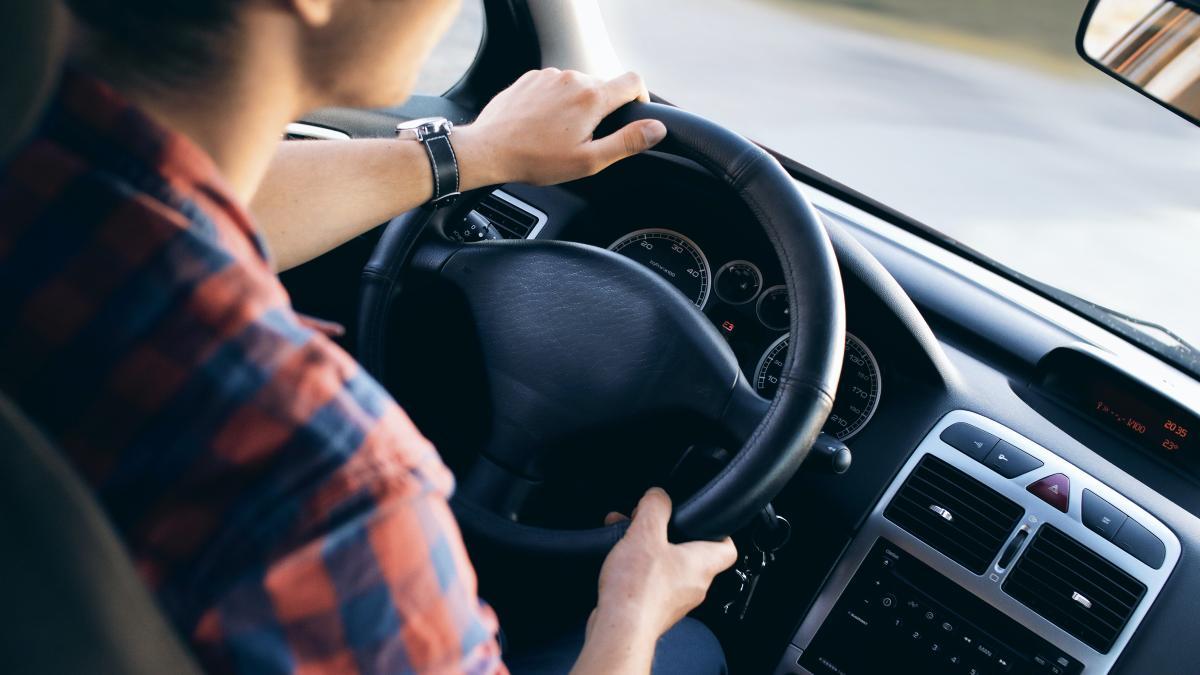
713,557
634,138
623,89
653,513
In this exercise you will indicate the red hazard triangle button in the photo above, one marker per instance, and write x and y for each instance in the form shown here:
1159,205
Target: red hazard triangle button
1055,490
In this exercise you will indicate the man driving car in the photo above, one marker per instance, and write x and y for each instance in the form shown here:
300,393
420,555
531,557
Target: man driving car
284,510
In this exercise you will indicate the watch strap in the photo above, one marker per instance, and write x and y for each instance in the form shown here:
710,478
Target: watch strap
445,168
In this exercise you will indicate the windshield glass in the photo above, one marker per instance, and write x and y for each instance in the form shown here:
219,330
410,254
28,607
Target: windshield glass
976,117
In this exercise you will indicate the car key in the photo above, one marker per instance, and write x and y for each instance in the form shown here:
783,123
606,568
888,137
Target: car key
748,571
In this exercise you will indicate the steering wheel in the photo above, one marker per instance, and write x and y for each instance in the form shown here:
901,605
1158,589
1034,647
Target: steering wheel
577,338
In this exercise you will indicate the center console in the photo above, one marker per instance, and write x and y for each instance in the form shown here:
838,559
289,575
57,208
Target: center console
987,554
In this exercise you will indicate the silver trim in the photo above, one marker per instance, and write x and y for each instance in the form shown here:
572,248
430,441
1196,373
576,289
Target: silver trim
944,513
1077,597
708,283
758,305
731,263
870,355
315,132
988,587
541,216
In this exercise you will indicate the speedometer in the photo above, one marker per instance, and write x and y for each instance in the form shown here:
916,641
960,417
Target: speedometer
673,256
858,388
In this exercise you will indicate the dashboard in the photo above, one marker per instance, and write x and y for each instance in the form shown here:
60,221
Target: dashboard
1087,446
923,578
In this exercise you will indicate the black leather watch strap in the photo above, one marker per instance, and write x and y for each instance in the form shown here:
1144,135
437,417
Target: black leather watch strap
445,168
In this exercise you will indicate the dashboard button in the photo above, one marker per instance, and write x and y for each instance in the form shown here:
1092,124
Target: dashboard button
1140,543
1100,516
1054,489
1010,461
970,440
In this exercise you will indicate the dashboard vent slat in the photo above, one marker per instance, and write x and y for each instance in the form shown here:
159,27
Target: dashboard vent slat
512,221
959,516
1074,588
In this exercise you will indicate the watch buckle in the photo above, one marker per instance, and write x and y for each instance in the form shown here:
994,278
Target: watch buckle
446,200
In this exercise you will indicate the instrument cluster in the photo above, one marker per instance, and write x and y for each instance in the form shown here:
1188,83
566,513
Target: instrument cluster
754,318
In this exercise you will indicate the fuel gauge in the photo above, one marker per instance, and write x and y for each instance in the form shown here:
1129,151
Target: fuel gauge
738,282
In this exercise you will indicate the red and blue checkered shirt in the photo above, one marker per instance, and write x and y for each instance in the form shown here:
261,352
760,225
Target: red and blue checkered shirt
284,510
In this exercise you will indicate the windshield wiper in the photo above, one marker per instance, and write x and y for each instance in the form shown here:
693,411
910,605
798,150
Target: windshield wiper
1154,330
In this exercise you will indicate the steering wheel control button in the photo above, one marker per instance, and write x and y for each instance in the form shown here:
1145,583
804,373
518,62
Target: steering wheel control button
1100,516
1010,461
1054,489
970,440
1141,543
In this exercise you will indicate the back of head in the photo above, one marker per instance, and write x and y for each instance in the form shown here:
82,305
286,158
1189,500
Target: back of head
162,41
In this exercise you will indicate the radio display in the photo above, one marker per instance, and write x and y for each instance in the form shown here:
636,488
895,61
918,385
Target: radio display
1147,419
1155,429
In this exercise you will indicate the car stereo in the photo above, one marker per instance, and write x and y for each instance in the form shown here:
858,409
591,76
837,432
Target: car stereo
899,615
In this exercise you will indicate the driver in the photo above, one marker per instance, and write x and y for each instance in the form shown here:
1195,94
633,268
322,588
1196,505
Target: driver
284,510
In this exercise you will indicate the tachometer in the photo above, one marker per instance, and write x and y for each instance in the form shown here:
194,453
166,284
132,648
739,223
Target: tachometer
673,256
858,388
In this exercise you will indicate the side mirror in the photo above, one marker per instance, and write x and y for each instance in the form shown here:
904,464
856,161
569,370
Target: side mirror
1153,46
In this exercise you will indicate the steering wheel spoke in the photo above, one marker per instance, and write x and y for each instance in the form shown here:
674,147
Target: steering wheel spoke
743,413
574,338
496,488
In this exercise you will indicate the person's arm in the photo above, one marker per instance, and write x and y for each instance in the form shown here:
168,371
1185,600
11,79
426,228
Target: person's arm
319,194
647,585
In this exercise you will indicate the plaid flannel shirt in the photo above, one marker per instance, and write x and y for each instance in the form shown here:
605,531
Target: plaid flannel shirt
284,510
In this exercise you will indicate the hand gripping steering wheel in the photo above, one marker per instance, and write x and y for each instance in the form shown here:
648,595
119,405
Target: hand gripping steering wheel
575,338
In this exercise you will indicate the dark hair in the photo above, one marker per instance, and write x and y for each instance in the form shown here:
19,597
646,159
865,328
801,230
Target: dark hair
168,40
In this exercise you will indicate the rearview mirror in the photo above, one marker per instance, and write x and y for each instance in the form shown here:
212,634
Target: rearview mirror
1152,46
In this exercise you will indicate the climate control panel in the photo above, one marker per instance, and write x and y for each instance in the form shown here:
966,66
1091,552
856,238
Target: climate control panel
1050,569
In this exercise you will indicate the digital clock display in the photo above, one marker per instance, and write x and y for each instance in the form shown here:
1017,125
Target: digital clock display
1130,409
1155,430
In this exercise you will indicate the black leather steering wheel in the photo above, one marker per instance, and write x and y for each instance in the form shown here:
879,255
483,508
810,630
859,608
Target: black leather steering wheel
575,338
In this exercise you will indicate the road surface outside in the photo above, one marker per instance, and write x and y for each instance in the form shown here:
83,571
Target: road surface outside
1018,150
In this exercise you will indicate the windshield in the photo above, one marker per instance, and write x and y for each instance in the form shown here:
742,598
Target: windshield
975,117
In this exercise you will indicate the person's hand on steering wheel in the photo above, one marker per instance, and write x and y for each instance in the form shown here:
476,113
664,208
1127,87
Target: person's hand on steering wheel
647,585
540,130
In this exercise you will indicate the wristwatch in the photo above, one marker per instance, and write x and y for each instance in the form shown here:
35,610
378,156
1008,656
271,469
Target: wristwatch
434,133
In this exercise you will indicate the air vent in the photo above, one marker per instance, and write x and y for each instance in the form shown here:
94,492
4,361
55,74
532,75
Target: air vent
512,217
1074,588
954,513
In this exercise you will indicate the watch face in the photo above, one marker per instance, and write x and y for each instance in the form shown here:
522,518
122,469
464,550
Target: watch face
423,128
417,123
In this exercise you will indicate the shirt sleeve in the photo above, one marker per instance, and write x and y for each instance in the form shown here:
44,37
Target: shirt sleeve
371,574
